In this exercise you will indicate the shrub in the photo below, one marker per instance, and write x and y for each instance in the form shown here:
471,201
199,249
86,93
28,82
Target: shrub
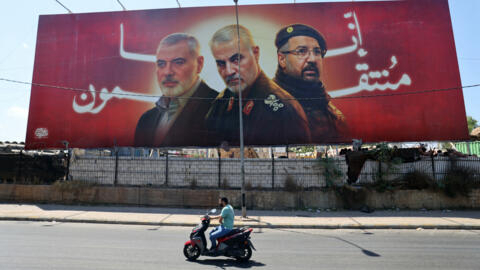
225,184
193,183
352,197
248,186
459,181
290,184
418,180
330,170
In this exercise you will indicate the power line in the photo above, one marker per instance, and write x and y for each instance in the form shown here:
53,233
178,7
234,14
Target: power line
178,2
120,3
200,98
69,11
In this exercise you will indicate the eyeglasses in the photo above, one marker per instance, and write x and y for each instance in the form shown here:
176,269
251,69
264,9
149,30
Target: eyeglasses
304,52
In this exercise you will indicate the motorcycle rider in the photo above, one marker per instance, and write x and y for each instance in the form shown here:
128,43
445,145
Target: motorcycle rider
225,218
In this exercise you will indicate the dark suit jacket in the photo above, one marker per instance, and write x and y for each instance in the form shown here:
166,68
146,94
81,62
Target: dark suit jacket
270,116
189,127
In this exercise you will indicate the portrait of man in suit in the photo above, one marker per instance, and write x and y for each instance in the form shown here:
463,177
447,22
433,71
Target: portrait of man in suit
178,116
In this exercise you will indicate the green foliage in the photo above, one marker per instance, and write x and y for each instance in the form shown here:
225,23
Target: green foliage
385,155
330,170
381,185
472,123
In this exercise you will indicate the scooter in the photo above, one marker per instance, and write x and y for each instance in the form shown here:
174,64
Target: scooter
235,244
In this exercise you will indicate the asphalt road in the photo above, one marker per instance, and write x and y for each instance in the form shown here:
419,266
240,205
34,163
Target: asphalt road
37,245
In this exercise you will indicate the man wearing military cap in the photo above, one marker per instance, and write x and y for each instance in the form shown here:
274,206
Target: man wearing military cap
271,116
300,50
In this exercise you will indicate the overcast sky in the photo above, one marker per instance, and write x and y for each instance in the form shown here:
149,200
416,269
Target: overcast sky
18,28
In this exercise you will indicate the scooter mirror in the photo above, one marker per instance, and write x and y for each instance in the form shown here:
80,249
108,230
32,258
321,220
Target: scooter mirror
212,211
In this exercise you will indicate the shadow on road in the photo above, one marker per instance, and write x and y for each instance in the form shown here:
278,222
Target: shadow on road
223,264
364,251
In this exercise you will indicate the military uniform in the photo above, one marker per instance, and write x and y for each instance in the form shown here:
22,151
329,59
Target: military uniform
270,116
188,128
326,122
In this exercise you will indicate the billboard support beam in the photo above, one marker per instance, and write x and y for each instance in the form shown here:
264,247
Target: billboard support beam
65,143
166,169
219,169
242,154
115,180
273,167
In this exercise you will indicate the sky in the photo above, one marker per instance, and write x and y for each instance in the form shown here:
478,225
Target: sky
18,28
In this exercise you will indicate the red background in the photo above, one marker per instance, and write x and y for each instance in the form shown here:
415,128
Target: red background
75,50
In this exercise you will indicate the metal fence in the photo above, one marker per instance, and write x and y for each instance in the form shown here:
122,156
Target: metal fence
259,173
435,167
200,172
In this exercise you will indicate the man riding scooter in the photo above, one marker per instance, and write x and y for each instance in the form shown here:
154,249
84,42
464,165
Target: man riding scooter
225,218
233,243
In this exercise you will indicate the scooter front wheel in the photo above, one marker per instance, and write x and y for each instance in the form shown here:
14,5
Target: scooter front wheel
191,252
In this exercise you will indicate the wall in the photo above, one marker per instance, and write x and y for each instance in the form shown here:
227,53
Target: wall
144,196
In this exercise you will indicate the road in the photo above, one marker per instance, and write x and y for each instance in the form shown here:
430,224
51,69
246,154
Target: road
53,245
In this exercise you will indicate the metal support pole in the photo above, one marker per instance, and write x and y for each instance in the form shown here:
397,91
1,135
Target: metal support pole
166,169
240,113
469,151
219,168
68,165
19,167
434,173
68,160
273,168
115,181
380,170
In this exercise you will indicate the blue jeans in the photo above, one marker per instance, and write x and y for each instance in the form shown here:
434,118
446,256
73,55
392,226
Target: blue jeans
216,233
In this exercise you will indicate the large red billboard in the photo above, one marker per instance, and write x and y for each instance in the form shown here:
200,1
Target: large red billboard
313,73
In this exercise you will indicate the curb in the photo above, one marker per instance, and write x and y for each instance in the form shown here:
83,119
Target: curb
269,226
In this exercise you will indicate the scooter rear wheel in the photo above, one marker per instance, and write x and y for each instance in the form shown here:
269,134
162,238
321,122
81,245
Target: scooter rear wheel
191,252
247,253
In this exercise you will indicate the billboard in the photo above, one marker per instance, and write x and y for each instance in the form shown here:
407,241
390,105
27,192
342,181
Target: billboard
313,73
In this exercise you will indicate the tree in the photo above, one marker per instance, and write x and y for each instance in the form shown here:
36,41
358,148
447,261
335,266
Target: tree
472,123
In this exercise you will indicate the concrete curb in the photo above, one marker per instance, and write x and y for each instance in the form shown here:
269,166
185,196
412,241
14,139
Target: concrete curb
269,226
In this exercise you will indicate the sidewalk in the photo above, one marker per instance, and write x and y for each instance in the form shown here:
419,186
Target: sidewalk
314,219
